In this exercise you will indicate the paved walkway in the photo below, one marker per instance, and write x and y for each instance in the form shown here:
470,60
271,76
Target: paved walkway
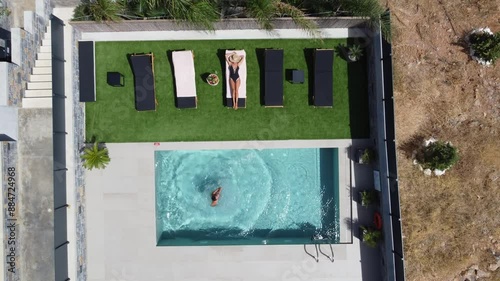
219,34
121,227
36,219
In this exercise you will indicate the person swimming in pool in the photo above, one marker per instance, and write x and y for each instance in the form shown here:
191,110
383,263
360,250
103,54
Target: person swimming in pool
234,60
215,196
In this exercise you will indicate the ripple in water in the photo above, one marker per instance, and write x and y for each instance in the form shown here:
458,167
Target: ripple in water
188,178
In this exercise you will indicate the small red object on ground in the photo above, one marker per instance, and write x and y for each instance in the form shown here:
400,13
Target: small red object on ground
377,220
157,144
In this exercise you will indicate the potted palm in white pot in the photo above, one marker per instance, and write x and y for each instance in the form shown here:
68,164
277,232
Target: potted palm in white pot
354,53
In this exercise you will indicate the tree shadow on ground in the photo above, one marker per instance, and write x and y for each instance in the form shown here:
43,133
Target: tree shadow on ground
463,42
412,145
357,83
342,51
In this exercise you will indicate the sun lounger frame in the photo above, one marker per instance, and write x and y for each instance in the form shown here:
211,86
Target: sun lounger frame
144,81
323,78
86,65
273,77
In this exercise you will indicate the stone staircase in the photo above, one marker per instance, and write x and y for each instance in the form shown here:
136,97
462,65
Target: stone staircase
38,93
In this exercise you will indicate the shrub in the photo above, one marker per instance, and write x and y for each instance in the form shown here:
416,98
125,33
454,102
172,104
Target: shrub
4,11
485,45
374,11
439,155
368,197
366,156
370,236
98,10
95,157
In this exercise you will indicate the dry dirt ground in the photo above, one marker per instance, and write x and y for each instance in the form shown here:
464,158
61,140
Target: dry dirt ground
449,222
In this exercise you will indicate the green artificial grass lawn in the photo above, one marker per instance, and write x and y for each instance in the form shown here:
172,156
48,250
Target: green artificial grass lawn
113,117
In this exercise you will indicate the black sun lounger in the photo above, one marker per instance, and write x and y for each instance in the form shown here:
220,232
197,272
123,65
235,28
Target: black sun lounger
273,78
87,71
323,78
144,81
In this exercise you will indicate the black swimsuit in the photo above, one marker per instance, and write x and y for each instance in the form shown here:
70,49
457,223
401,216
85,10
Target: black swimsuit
234,74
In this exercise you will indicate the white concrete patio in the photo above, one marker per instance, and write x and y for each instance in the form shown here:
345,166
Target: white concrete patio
220,34
121,227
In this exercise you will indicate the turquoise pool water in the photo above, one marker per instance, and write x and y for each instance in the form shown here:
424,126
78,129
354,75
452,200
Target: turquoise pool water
270,196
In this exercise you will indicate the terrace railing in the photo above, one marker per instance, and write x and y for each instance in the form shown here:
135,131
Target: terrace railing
58,111
385,139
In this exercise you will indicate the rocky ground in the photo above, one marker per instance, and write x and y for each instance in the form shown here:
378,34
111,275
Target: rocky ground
451,223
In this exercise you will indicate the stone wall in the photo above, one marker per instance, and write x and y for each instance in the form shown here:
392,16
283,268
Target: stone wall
16,85
25,46
46,8
78,142
164,25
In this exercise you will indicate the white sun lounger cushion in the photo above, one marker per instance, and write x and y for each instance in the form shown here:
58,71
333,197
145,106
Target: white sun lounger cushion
184,73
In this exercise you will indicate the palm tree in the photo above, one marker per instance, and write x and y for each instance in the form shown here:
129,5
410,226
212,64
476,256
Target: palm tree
198,12
201,13
143,9
95,157
98,10
204,13
264,11
371,9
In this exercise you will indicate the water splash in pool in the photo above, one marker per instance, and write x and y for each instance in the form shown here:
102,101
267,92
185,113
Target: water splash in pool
187,180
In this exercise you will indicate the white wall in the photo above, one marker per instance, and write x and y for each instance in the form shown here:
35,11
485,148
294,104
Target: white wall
4,82
8,121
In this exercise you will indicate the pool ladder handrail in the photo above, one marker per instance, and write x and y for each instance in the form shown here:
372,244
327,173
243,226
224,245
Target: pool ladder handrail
317,247
332,257
316,258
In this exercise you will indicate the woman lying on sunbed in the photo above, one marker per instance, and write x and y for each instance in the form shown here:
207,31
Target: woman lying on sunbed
234,60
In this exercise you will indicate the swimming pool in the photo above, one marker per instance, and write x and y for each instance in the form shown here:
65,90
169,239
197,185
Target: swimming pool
269,196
